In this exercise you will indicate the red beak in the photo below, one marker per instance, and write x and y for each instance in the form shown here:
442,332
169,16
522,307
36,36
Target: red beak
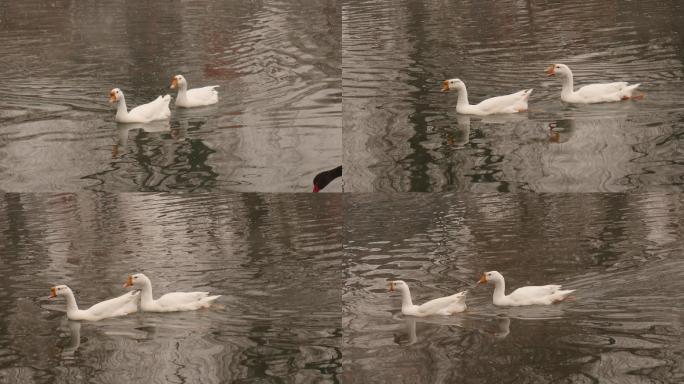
316,189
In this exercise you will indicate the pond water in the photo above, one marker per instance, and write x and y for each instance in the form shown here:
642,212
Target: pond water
621,252
277,123
274,258
403,134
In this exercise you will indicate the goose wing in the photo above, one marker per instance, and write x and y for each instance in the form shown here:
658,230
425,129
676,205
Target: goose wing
500,102
155,110
175,299
121,305
595,90
438,305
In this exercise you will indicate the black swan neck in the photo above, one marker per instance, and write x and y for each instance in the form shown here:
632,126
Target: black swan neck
324,178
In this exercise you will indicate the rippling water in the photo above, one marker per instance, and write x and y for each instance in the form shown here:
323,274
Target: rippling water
403,134
621,252
274,258
276,125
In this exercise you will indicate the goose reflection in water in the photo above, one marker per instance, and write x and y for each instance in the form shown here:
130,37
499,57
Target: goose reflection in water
461,136
410,337
138,333
431,325
123,131
74,338
501,329
560,131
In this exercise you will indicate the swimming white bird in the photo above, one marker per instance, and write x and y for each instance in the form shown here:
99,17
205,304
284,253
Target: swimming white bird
513,103
154,110
592,93
196,97
118,306
531,295
444,306
171,302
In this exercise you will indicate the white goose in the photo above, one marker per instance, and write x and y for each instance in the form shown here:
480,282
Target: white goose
196,97
118,306
171,302
531,295
592,93
513,103
154,110
444,306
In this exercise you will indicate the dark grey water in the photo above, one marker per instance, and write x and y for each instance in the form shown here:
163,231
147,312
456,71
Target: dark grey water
276,125
621,252
274,258
403,134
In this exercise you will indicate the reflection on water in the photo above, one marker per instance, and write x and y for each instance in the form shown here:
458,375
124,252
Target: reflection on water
399,127
621,252
274,258
276,125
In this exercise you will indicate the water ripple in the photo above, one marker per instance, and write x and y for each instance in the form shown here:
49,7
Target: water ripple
402,133
274,258
621,252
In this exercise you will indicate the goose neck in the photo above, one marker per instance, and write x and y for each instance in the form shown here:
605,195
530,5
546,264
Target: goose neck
499,289
406,298
121,109
462,96
568,86
71,305
146,294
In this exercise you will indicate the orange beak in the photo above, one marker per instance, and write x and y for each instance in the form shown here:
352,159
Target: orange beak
483,279
112,97
53,293
551,70
445,86
129,282
174,83
391,286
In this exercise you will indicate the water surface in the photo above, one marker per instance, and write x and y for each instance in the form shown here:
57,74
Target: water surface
276,125
274,258
621,252
403,134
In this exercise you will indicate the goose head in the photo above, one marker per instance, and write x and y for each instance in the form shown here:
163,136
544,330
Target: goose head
178,81
115,95
448,85
492,276
59,290
137,280
561,70
397,285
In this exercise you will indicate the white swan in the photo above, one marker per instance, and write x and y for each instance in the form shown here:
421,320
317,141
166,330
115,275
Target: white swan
443,306
171,302
118,306
513,103
592,93
540,295
154,110
196,97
